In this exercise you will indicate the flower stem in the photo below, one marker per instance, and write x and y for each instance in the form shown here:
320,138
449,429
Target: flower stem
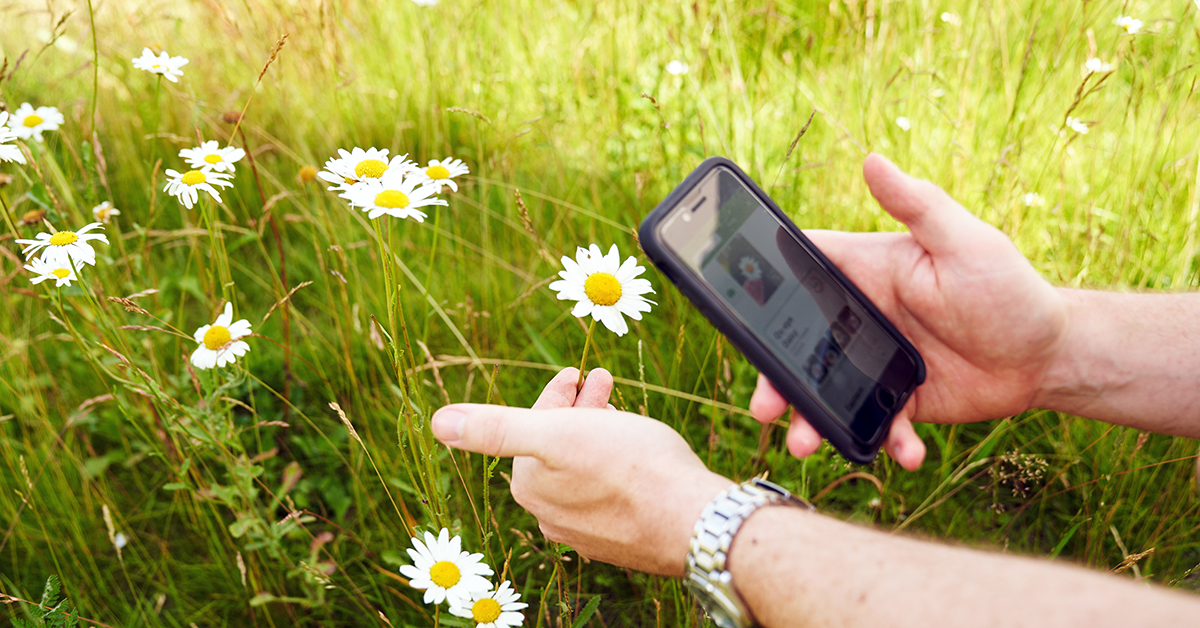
95,66
583,361
8,218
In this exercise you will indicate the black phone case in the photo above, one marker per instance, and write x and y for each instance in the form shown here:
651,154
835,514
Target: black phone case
785,380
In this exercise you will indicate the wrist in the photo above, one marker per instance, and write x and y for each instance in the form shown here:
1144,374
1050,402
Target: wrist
1081,368
709,576
700,493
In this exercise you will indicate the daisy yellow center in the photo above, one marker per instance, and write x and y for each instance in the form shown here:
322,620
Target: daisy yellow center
213,158
370,168
61,273
216,337
63,238
445,574
33,120
392,199
749,267
602,288
193,177
485,611
437,172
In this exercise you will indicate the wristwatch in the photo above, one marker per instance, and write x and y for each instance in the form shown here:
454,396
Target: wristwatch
707,577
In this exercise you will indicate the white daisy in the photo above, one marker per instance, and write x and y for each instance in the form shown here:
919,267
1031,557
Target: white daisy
66,248
360,165
209,155
904,123
750,268
104,212
604,287
221,343
444,571
951,19
1095,65
493,609
27,122
1033,199
9,153
1077,125
186,186
170,67
62,274
395,194
677,67
441,172
1131,25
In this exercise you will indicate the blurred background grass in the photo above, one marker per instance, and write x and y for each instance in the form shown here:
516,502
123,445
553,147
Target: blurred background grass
571,104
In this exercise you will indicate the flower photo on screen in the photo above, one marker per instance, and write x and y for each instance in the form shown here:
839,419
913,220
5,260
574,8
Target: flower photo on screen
750,269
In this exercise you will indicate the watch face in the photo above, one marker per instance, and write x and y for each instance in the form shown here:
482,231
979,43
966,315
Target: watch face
718,605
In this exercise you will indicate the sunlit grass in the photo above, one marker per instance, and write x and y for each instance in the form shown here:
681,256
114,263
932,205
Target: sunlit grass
571,105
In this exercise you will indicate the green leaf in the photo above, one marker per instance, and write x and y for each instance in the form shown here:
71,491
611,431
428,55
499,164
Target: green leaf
587,612
543,348
50,593
393,558
262,598
1066,538
240,527
38,194
175,486
93,467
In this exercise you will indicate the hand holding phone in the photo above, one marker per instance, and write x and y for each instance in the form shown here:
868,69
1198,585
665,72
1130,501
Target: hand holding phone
987,324
784,305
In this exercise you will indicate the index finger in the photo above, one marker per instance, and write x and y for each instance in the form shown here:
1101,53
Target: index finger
495,430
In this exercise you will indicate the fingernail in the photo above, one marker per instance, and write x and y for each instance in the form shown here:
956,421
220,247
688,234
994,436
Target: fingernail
448,425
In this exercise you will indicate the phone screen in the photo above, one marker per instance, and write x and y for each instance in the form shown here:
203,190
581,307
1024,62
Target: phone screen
764,275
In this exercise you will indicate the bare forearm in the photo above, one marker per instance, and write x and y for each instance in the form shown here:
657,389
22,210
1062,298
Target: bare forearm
796,568
1129,359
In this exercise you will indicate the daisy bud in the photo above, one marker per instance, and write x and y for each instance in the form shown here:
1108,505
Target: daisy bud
33,217
308,174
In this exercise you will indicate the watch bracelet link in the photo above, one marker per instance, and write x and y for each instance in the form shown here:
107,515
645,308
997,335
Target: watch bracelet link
712,537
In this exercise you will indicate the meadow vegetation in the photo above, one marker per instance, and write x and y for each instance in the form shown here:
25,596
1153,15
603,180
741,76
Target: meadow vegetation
165,495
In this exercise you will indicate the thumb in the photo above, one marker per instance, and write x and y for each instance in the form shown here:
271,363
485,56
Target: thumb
493,430
938,223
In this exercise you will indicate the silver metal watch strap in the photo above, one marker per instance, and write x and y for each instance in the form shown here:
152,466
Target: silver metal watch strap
712,537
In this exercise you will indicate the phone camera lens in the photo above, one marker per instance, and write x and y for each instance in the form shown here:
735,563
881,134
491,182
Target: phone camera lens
885,397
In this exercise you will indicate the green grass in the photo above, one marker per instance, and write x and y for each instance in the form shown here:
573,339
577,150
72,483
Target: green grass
571,105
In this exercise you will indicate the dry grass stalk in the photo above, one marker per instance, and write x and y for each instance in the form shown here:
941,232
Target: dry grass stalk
283,300
271,59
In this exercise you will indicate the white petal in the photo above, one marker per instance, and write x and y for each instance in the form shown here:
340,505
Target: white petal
583,308
410,572
203,358
239,329
226,317
612,319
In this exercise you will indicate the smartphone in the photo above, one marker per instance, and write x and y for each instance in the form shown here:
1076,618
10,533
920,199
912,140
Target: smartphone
827,349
